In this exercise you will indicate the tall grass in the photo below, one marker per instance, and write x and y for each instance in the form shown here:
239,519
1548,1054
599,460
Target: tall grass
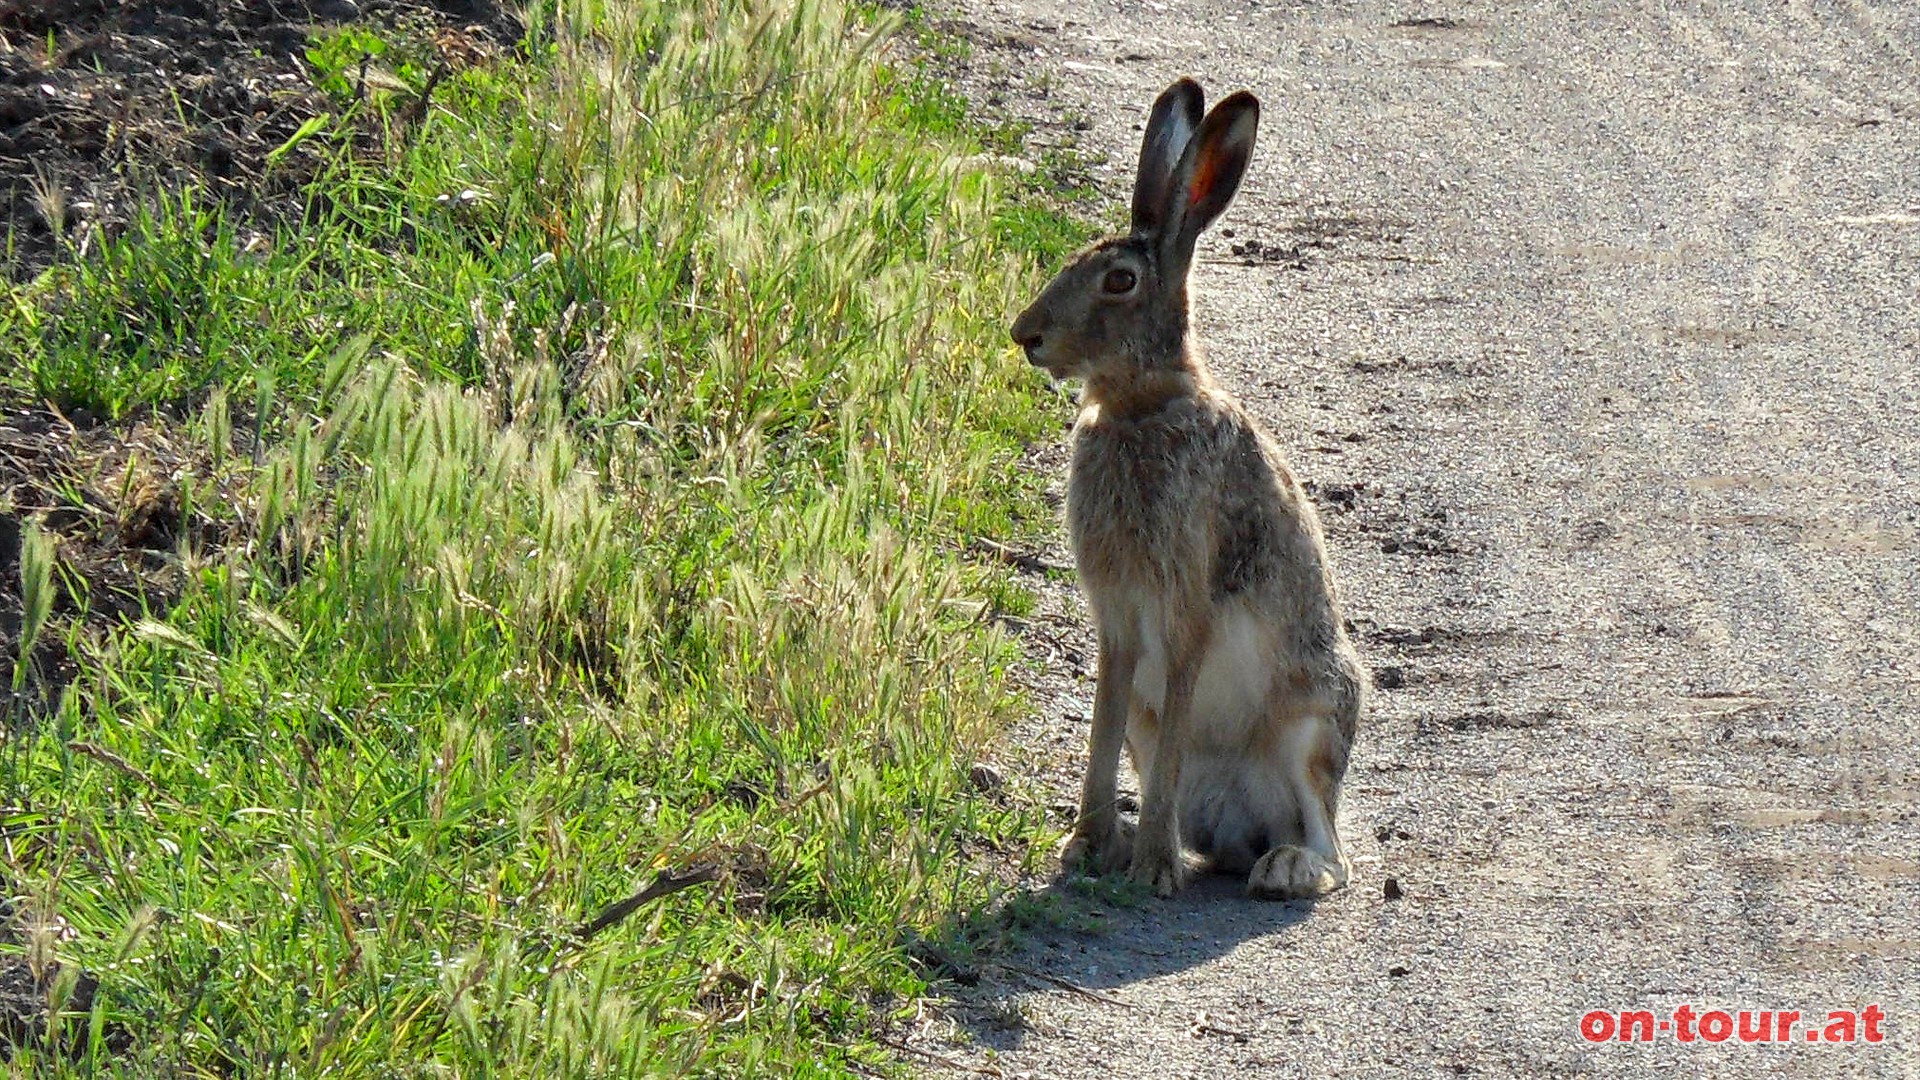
614,430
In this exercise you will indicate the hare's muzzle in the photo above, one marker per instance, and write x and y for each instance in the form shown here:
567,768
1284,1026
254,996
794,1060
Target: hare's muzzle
1030,344
1027,335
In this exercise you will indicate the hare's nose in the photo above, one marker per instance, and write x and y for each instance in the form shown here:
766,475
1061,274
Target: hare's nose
1028,340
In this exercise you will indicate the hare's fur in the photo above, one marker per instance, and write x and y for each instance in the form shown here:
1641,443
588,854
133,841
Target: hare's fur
1224,663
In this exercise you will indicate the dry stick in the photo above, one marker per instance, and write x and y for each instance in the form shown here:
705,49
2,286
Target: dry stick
419,108
1070,985
475,973
1081,819
978,1070
1019,560
128,768
809,795
1207,1027
665,884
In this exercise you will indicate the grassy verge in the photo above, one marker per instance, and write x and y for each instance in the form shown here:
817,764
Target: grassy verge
590,462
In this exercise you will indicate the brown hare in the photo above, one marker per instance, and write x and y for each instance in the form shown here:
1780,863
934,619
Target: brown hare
1224,660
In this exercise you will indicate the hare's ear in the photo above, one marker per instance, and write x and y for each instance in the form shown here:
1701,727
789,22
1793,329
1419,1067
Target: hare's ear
1175,117
1209,173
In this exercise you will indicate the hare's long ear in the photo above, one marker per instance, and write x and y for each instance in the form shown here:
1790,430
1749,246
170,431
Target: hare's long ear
1207,176
1175,117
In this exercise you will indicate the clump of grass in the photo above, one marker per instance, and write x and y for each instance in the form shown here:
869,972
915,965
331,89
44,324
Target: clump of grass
612,431
36,596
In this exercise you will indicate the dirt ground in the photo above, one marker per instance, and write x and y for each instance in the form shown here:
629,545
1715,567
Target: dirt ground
111,499
1596,328
102,103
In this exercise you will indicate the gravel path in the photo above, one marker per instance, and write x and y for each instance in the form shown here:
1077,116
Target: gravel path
1596,328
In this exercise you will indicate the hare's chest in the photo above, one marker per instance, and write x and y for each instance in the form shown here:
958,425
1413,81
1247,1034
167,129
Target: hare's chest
1136,509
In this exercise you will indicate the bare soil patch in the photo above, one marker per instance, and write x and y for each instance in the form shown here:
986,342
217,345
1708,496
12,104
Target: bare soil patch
112,500
101,103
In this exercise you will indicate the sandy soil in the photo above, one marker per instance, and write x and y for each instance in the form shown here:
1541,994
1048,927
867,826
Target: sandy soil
1596,327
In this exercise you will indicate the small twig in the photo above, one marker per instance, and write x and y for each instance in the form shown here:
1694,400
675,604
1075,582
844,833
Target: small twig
419,108
809,795
666,884
940,960
107,757
1203,1026
977,1070
73,432
1118,802
1070,985
741,96
1019,560
476,971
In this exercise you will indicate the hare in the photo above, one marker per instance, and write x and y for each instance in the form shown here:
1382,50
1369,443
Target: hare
1223,658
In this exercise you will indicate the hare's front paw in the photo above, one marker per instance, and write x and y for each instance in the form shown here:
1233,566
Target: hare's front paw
1103,851
1161,869
1291,873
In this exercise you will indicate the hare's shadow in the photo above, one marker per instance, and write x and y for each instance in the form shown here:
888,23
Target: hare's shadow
1082,937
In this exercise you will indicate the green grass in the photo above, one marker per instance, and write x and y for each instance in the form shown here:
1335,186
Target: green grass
620,420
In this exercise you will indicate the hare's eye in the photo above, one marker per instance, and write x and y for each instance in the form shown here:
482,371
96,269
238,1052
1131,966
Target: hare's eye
1118,281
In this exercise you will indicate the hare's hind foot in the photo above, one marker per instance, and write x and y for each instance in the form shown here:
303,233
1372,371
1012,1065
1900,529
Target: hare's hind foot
1102,852
1293,873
